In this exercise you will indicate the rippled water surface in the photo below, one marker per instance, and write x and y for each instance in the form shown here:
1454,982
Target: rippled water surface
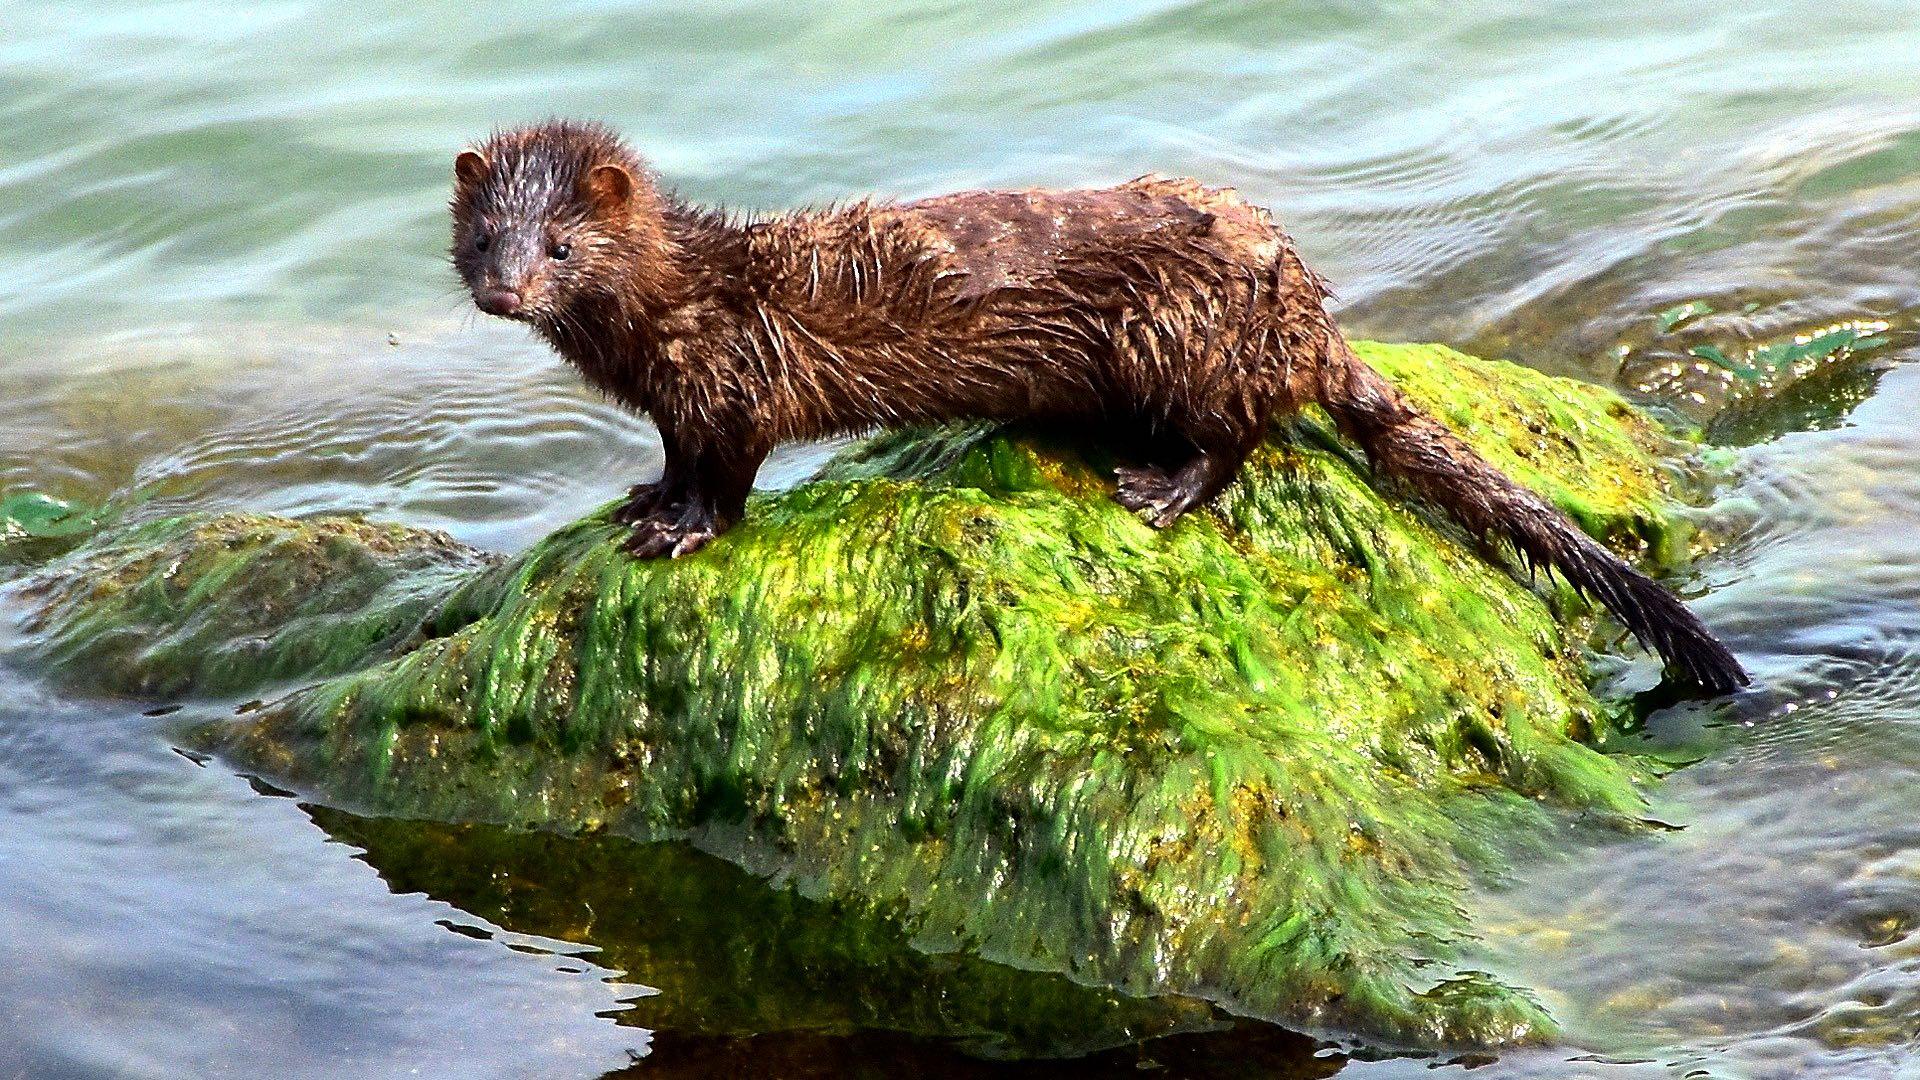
221,285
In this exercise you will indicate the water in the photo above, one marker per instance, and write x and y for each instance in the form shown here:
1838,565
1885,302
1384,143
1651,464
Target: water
222,285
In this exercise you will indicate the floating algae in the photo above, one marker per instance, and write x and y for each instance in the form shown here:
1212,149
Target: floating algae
1256,758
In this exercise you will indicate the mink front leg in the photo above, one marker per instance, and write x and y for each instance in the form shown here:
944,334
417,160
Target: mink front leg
658,496
714,494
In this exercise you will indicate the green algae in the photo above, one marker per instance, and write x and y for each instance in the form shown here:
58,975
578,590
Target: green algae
34,526
1256,759
31,515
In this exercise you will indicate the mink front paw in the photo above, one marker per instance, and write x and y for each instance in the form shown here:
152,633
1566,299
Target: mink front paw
671,534
643,501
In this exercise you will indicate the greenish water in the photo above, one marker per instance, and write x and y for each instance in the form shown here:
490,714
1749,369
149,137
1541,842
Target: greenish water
221,285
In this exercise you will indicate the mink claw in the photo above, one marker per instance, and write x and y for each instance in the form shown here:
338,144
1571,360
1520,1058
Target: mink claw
654,537
646,541
690,541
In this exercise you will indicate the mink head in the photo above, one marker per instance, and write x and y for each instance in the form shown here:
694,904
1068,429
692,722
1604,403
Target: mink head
548,215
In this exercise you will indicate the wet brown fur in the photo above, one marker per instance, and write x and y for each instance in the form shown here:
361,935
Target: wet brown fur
1160,310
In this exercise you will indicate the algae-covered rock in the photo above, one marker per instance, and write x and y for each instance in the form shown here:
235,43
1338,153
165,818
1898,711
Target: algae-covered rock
1256,758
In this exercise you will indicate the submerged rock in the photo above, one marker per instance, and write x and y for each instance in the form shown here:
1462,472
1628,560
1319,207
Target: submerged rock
221,604
1257,758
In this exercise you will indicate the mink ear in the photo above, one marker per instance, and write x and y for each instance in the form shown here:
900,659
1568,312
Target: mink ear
470,168
609,188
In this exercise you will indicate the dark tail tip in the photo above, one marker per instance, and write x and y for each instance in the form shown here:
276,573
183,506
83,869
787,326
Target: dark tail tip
1654,615
1666,626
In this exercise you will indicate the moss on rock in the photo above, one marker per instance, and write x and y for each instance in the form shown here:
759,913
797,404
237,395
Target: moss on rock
1256,758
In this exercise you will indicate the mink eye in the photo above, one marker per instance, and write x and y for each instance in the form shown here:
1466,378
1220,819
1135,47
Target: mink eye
560,251
481,242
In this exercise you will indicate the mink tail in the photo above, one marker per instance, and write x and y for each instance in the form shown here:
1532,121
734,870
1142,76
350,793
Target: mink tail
1415,449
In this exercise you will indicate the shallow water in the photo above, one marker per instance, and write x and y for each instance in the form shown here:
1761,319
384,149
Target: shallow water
221,285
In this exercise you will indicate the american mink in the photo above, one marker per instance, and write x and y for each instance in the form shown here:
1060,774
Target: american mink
1158,309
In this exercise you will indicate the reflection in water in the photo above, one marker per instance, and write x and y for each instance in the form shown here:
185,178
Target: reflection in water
728,959
1254,1051
214,215
159,919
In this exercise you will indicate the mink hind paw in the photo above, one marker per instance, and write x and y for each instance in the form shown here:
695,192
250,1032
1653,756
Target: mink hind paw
671,534
1149,490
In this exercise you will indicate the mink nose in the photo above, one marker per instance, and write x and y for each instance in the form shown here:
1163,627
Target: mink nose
497,301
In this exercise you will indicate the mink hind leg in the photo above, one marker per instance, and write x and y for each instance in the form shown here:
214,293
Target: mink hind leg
1164,490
